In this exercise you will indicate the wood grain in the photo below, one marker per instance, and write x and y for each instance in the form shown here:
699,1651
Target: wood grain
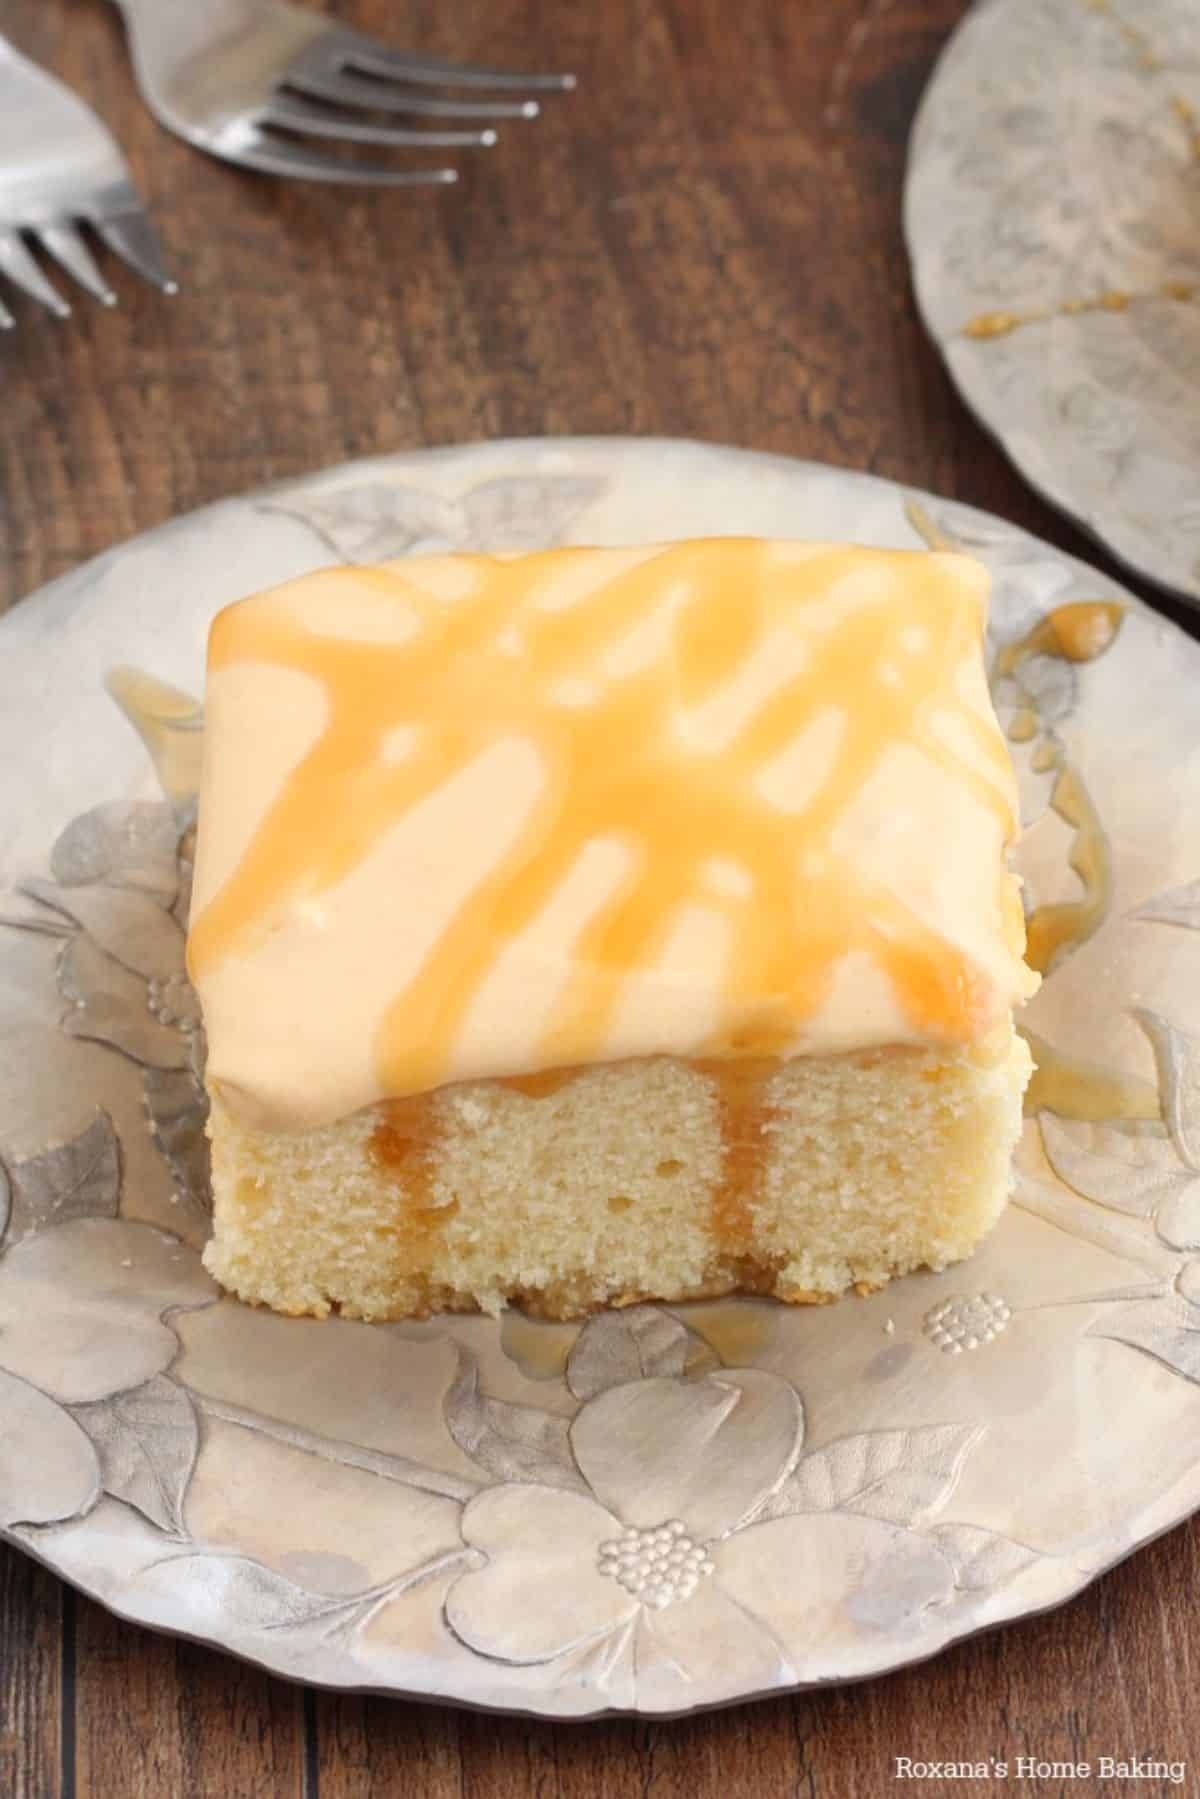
161,1717
703,241
31,1691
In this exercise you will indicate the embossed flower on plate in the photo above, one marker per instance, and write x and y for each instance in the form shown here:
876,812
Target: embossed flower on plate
119,902
82,1306
960,1323
113,902
83,1297
678,1557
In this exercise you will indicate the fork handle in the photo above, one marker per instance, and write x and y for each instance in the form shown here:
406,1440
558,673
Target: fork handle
165,33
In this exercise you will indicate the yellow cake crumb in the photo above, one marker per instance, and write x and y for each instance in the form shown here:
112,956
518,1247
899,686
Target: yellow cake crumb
608,1188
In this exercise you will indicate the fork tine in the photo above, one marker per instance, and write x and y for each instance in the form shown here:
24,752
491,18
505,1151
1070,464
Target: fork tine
23,271
132,237
381,96
7,321
403,65
62,241
271,156
298,115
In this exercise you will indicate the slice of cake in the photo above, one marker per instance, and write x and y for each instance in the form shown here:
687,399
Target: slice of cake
596,925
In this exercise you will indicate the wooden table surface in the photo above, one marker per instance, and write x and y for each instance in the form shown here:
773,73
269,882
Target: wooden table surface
704,241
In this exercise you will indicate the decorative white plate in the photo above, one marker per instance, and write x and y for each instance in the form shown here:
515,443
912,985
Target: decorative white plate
1053,219
670,1507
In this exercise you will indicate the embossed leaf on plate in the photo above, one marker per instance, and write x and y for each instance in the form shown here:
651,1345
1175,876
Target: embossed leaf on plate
181,911
125,845
79,1179
1178,1218
243,1596
41,920
1167,1329
629,1344
512,1442
526,512
147,1440
823,1582
900,1476
1050,685
1178,905
1092,1225
38,1434
109,1005
377,520
177,1107
235,1594
982,1560
127,924
1127,1173
1178,1059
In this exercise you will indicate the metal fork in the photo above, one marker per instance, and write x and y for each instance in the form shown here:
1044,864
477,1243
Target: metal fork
60,168
248,80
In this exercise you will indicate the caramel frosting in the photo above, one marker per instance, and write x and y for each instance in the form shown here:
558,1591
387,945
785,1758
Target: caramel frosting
472,816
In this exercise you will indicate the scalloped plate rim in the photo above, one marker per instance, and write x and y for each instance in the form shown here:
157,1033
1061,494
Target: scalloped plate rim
1179,1501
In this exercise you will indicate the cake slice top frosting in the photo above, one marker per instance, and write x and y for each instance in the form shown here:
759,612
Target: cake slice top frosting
472,816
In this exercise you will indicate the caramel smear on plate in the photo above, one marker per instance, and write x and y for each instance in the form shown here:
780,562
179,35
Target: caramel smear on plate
1078,1089
169,722
1078,632
984,325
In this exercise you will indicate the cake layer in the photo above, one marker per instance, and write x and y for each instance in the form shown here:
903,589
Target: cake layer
653,1179
468,817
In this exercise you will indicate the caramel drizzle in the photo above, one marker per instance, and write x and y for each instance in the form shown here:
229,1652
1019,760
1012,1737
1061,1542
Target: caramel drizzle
1079,631
405,1143
1188,117
743,1114
616,768
1137,40
1055,930
984,325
